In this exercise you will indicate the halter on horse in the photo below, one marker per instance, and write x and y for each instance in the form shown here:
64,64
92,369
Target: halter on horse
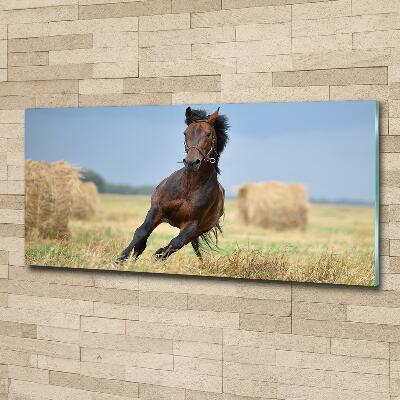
206,157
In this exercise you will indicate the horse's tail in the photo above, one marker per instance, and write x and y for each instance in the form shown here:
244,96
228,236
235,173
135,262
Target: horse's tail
210,238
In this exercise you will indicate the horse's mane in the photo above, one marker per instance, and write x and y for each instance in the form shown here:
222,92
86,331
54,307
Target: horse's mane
221,126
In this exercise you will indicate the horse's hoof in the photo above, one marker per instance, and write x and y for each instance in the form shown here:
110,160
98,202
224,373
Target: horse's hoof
121,259
158,257
162,254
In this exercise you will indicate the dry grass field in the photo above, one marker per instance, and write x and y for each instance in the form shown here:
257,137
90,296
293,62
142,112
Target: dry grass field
337,247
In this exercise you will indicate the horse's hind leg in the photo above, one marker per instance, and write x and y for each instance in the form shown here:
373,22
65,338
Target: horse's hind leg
196,248
139,241
186,235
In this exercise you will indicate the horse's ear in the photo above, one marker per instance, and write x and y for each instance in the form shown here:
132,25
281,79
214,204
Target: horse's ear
188,113
212,117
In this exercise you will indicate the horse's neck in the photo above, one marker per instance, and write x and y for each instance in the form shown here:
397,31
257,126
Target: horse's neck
206,175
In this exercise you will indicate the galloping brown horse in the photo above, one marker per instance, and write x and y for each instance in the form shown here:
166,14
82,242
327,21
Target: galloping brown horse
190,199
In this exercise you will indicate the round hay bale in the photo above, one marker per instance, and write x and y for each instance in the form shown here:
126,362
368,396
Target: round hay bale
49,189
85,201
273,205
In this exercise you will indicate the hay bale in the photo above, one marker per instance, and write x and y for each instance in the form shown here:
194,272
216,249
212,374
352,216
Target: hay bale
84,201
49,197
273,205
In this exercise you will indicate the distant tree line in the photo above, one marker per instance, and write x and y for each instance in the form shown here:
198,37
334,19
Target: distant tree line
115,188
343,201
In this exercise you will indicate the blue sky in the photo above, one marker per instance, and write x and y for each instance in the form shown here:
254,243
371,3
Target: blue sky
328,146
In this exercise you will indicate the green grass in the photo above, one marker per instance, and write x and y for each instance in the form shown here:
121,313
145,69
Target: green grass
337,246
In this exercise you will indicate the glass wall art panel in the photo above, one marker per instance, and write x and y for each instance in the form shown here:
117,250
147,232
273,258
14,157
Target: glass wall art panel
274,191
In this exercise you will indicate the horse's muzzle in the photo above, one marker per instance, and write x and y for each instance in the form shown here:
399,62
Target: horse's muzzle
192,166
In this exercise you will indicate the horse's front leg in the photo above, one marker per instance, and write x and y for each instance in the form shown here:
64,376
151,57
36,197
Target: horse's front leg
186,235
139,241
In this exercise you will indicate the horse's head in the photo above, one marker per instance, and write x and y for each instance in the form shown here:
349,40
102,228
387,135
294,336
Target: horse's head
200,140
